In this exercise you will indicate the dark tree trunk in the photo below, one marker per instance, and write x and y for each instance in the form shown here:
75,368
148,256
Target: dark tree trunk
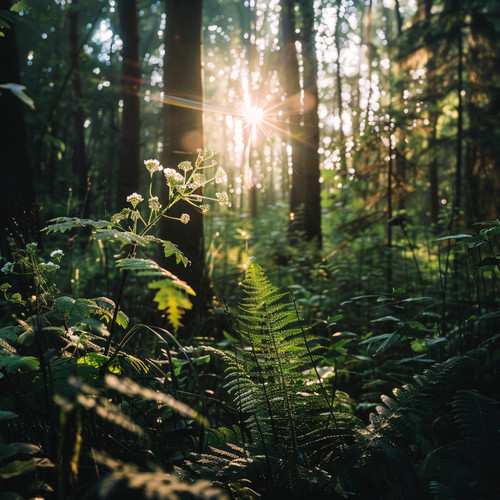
78,161
128,168
458,170
305,211
183,134
338,77
310,129
18,216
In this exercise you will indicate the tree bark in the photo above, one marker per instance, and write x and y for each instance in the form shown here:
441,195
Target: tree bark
305,207
79,161
183,134
128,168
18,215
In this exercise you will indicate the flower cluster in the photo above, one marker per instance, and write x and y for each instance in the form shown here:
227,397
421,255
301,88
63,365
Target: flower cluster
154,204
184,182
134,199
153,166
7,267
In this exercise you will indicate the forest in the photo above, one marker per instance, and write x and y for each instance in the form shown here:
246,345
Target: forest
250,249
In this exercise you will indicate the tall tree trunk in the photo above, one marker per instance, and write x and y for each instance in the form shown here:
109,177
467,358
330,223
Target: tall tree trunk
338,77
128,177
78,161
305,213
183,134
458,170
310,129
18,216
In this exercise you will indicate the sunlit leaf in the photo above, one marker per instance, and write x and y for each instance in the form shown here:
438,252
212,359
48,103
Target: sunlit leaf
170,249
171,299
75,309
16,468
18,91
98,360
63,224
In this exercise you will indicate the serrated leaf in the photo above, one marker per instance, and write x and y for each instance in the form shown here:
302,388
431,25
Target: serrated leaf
63,224
146,267
19,6
14,363
75,309
106,309
98,360
171,249
171,299
122,236
10,333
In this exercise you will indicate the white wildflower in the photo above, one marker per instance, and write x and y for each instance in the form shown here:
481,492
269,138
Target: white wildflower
134,199
196,181
220,176
222,198
185,218
7,267
185,166
154,204
49,266
173,177
56,253
153,166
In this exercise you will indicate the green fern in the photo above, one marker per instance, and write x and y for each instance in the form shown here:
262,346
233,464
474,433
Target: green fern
469,466
272,376
291,420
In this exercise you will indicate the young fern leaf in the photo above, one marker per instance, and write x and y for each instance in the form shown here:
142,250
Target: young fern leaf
269,376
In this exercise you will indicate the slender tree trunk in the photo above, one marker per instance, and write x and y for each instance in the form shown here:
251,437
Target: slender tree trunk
183,134
305,209
18,215
338,77
79,161
458,172
128,169
310,132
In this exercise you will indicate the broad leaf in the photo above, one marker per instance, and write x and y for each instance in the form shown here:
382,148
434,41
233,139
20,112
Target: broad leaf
172,299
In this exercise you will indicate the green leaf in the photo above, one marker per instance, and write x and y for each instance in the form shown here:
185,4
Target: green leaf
75,309
172,299
16,468
19,6
147,267
7,415
170,249
15,363
106,309
63,224
385,318
18,91
122,236
98,360
26,338
10,333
